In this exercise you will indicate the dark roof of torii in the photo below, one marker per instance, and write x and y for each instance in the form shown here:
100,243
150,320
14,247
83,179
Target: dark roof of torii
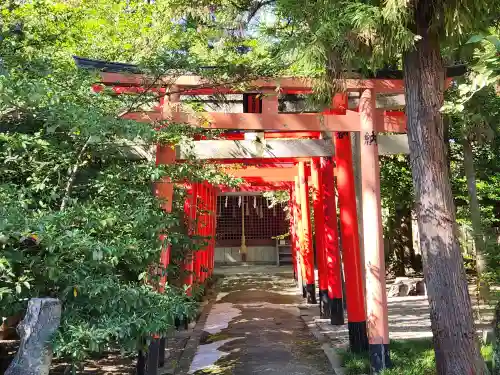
115,67
106,66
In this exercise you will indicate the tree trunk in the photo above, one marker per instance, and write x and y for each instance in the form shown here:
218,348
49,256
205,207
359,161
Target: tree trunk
475,211
455,344
447,124
496,343
399,236
406,235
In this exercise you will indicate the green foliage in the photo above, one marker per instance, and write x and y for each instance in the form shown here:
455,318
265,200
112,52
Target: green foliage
397,204
78,219
484,73
396,183
409,357
474,111
354,363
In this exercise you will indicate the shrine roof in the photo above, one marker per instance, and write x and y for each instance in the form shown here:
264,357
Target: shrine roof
117,67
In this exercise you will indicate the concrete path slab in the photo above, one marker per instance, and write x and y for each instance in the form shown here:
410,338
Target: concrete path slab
255,327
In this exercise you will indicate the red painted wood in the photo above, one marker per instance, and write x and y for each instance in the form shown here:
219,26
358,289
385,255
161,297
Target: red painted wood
332,251
353,270
300,232
319,222
276,121
163,264
340,102
190,216
271,186
164,190
256,161
307,251
285,84
199,231
213,203
214,228
204,231
193,216
264,174
293,231
209,230
273,135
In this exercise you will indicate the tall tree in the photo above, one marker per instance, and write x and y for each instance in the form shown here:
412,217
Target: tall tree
418,30
475,107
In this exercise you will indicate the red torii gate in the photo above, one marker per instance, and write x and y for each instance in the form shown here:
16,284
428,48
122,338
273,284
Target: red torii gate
339,121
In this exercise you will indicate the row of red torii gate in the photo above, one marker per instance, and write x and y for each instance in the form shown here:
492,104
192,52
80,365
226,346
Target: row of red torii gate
291,150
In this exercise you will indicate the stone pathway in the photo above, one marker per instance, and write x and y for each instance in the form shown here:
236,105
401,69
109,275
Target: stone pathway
255,328
260,324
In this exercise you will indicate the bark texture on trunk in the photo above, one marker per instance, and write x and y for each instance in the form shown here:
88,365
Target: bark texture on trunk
457,352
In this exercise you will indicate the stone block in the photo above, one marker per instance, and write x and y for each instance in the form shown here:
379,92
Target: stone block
404,286
41,321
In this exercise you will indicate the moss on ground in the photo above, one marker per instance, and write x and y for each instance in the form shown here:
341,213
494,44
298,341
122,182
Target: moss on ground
409,357
208,338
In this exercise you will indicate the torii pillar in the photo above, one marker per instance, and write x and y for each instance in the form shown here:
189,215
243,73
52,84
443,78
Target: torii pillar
294,241
331,244
301,271
307,253
190,215
319,235
214,229
376,294
351,256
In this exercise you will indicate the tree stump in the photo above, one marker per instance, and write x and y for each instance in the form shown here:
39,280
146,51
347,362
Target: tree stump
41,321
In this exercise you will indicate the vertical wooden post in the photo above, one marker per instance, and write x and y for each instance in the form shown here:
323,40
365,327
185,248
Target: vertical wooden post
201,230
307,251
332,251
293,232
164,190
376,294
198,230
319,235
199,253
214,230
207,227
351,256
243,248
204,231
213,208
191,214
300,237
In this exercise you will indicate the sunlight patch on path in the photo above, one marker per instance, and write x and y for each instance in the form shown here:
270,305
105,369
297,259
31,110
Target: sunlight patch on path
220,316
208,354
